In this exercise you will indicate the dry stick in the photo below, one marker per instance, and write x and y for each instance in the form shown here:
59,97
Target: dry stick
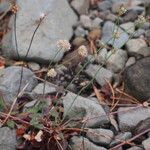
14,102
130,140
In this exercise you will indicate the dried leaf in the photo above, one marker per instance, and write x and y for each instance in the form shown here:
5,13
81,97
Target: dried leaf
38,137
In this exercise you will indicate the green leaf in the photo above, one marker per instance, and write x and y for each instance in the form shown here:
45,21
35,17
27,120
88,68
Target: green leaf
11,124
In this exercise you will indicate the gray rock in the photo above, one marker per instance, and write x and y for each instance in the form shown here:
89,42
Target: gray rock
99,73
108,32
54,27
34,66
129,117
147,34
80,32
100,136
111,17
8,139
146,144
136,79
130,61
85,21
81,143
134,46
76,107
129,27
4,6
130,16
81,6
138,33
10,82
117,60
135,148
96,23
104,5
48,89
102,56
120,137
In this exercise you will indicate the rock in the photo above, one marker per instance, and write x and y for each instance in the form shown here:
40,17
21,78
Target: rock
99,73
130,16
146,144
81,6
10,82
104,5
78,41
100,136
48,89
81,143
120,137
130,61
102,56
4,6
8,139
53,28
34,66
80,32
117,60
76,107
108,32
85,21
94,34
136,79
147,34
129,27
111,17
134,46
129,117
96,23
138,33
135,148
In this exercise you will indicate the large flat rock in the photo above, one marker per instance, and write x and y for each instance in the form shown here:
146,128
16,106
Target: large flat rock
57,25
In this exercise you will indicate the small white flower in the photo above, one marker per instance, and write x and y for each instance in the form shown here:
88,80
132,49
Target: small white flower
42,15
140,21
27,137
122,10
64,44
82,51
116,34
38,137
52,73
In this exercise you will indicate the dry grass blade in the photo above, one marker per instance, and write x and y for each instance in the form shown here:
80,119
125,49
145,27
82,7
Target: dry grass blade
98,95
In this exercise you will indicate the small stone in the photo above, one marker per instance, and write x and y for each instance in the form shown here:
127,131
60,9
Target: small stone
48,89
78,107
10,82
34,66
108,32
96,23
30,104
81,143
129,117
130,61
81,6
134,46
85,21
94,34
8,139
78,41
80,32
104,5
117,60
99,73
121,137
146,144
130,16
102,56
136,79
100,136
111,17
129,27
138,33
135,148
